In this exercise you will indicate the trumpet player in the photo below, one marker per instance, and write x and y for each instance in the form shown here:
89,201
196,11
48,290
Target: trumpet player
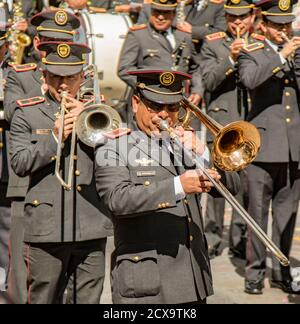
65,231
161,253
270,70
227,101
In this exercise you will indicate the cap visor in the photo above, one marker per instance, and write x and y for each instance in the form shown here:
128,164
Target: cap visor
237,11
56,35
162,99
281,19
64,70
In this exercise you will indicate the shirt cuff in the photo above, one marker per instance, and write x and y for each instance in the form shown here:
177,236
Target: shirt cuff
179,192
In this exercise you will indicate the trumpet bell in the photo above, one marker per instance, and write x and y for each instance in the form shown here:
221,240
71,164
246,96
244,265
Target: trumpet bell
236,146
94,122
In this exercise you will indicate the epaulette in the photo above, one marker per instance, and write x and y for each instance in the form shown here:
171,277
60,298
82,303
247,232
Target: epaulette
117,133
30,102
215,36
138,27
24,67
253,47
258,37
216,1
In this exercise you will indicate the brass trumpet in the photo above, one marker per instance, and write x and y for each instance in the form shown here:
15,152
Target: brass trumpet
235,147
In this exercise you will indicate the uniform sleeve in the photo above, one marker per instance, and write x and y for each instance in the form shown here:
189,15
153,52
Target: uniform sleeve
255,72
121,195
129,59
194,70
199,32
297,67
13,91
215,70
29,152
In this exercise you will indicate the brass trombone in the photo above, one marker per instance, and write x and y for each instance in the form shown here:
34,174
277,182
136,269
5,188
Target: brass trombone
90,127
235,147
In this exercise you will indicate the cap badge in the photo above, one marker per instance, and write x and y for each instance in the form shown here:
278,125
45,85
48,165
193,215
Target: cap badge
236,2
63,50
61,18
167,79
284,5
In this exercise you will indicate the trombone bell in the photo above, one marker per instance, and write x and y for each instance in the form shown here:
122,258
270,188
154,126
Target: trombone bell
236,146
94,122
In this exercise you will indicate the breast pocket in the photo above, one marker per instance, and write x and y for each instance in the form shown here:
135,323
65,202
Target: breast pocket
39,212
137,275
151,56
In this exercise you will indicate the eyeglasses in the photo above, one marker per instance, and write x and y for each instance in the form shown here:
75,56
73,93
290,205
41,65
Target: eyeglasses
157,107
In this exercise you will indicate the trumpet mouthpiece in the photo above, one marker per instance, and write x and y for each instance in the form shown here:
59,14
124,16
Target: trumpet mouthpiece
164,125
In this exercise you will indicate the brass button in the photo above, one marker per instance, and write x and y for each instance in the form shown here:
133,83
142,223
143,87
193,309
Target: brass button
206,25
1,145
1,130
35,203
286,81
136,258
147,183
77,173
53,158
189,219
163,205
159,206
217,109
75,157
185,201
288,120
288,107
191,238
249,100
288,94
168,204
79,188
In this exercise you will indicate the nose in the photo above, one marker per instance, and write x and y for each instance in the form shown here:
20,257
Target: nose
163,114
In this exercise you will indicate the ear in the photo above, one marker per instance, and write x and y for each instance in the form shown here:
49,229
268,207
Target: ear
135,101
36,43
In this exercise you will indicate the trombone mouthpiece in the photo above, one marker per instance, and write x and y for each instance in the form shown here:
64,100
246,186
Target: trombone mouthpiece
164,125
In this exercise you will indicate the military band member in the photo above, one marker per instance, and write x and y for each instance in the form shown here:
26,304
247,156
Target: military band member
51,25
65,231
159,44
270,70
202,18
4,202
227,101
26,81
161,252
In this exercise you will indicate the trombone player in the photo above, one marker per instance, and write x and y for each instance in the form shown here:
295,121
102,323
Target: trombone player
270,69
65,231
161,252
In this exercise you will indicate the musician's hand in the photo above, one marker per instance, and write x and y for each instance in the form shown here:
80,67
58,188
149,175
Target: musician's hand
193,181
190,140
236,47
68,126
290,47
74,106
195,98
185,27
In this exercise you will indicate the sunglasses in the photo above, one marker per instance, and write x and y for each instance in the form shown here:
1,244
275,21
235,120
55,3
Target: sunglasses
157,107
